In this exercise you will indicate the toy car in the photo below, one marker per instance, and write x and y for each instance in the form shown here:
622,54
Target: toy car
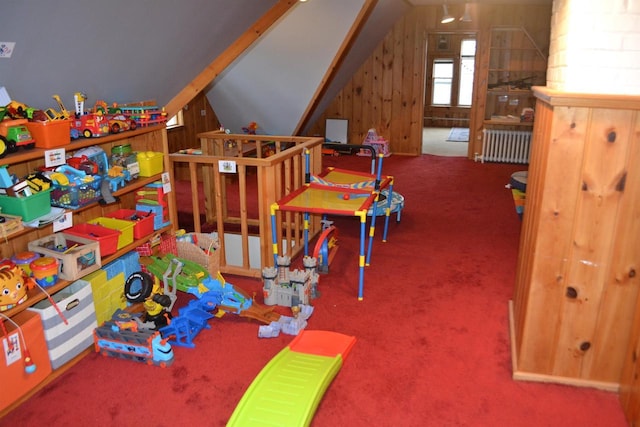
119,123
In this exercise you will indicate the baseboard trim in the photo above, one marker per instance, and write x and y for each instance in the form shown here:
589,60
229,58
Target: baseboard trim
544,378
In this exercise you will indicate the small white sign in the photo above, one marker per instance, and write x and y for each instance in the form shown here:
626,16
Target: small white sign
227,166
66,221
11,348
6,49
134,168
54,158
166,183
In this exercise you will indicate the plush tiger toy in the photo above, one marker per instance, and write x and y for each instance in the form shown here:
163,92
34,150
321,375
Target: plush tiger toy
13,289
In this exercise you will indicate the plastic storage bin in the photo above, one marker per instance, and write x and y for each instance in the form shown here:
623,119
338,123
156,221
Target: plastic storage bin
106,237
55,133
125,228
76,196
29,208
151,163
143,221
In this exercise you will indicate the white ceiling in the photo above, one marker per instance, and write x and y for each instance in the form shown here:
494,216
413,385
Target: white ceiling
437,2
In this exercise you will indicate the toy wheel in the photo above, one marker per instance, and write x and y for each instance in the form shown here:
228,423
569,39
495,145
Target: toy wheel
138,287
87,133
115,128
30,146
4,146
11,146
133,125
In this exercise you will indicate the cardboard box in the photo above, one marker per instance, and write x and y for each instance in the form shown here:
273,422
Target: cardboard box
66,340
15,381
51,134
77,256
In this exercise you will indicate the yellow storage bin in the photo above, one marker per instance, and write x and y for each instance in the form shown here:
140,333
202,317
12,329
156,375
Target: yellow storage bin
151,163
125,228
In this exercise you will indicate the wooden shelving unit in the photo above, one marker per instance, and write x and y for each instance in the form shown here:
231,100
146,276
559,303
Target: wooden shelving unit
153,138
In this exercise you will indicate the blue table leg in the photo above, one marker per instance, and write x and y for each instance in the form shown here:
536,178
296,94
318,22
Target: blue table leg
363,221
387,213
372,228
274,230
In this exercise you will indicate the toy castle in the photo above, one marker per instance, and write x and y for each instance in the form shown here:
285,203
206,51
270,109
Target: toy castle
290,288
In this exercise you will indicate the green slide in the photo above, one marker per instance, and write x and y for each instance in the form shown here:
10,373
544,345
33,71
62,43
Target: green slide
289,388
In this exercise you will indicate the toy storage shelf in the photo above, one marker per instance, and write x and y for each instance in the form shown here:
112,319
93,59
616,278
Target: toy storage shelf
151,138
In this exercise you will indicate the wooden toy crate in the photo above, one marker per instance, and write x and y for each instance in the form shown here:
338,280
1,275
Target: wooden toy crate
77,256
200,248
11,225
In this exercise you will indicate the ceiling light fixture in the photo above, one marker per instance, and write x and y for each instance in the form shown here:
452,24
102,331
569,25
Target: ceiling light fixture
466,16
446,18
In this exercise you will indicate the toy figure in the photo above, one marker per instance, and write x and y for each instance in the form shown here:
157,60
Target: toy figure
13,290
156,311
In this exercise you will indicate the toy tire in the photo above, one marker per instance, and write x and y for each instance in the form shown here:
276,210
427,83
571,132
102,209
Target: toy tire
4,146
143,289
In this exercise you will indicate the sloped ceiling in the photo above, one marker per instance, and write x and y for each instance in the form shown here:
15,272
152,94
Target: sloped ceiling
117,50
127,51
276,79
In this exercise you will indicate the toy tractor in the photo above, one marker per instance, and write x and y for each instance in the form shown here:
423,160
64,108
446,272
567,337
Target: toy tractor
14,134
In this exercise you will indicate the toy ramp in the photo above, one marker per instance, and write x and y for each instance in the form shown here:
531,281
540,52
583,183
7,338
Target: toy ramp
289,388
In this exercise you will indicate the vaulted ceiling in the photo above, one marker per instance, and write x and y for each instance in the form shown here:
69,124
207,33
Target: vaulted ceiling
282,75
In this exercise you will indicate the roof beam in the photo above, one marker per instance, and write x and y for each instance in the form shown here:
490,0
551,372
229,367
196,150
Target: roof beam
230,54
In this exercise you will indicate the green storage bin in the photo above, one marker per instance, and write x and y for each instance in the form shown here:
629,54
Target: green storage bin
29,208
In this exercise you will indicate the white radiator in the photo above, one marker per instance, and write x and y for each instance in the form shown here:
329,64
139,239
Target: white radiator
506,146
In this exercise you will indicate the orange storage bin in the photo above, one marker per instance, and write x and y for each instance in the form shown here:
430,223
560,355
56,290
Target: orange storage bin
16,382
54,133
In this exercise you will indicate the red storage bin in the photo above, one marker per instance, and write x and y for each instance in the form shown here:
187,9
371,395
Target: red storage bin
106,237
143,221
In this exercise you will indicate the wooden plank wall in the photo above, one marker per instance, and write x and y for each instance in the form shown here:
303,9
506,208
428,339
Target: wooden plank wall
184,137
387,92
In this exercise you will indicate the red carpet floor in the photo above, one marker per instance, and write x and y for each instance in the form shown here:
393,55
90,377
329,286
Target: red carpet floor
432,331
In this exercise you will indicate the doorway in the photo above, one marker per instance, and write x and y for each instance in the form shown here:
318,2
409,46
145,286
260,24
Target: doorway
449,83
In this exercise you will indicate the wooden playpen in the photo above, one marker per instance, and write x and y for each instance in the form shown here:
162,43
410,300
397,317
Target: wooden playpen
261,169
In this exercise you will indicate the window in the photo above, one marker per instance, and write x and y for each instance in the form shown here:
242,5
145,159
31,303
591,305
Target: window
175,121
452,79
442,81
467,63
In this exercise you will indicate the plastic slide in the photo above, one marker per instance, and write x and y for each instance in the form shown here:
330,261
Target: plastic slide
289,388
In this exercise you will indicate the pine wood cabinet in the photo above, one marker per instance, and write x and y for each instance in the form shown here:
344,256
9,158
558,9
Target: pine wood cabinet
575,313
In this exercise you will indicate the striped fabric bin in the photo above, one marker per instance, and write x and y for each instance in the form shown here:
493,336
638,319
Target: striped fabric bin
65,341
